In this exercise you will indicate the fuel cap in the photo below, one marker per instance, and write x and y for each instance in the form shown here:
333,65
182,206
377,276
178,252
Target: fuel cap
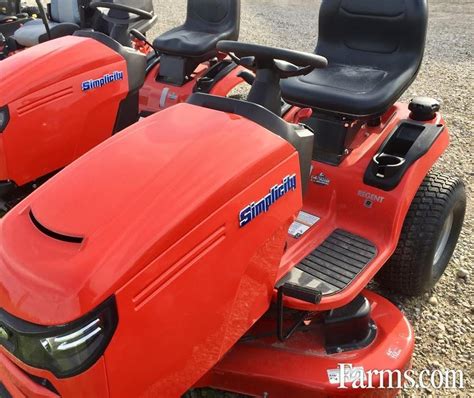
423,108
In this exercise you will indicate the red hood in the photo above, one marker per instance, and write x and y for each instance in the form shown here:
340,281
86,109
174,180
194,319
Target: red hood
137,193
40,66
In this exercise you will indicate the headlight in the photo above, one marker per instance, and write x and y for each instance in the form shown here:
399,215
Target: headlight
64,350
4,118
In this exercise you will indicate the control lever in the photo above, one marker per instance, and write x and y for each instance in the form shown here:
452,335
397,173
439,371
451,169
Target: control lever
302,293
140,36
303,114
247,76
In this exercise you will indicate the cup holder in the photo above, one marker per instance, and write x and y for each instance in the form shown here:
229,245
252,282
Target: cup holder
387,165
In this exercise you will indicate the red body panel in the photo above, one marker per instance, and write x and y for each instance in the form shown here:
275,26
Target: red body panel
52,121
339,205
153,171
165,239
298,367
156,96
91,383
224,86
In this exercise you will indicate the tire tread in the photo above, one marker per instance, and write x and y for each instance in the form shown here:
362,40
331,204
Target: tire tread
403,272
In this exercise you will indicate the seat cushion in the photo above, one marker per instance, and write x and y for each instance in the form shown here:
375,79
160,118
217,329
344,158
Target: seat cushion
29,34
207,22
65,11
347,89
34,32
374,49
187,43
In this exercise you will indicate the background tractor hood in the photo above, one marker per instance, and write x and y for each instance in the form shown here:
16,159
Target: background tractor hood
128,199
51,62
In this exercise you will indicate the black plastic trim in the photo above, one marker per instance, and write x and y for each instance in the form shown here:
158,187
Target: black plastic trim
254,112
53,234
5,124
151,63
18,327
299,136
6,187
214,75
4,393
8,29
45,383
350,327
419,148
128,112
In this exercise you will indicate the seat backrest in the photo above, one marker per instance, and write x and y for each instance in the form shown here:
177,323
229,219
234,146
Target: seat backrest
214,16
66,11
379,33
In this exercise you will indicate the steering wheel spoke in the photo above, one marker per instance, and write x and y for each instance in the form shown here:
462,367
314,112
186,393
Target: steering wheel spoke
139,14
270,65
287,63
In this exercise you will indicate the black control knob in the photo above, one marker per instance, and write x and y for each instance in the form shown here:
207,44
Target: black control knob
423,108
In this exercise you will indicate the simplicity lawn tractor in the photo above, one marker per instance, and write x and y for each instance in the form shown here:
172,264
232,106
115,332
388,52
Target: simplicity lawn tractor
216,244
79,90
64,17
13,14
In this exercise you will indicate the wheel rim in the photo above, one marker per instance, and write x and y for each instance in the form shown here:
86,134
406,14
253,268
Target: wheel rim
443,238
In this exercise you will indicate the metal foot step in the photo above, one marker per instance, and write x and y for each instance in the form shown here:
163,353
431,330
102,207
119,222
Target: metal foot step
333,265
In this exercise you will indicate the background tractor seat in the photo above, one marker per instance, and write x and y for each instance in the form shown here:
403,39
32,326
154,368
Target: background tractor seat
207,22
374,48
65,20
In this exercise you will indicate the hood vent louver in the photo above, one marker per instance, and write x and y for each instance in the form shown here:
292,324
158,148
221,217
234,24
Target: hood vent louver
53,234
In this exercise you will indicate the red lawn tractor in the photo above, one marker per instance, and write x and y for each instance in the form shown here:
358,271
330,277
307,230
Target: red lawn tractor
79,90
216,244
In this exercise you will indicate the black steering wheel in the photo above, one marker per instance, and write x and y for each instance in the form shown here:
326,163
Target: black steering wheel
287,63
140,14
270,65
7,18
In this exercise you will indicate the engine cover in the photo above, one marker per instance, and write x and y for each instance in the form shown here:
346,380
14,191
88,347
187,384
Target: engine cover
62,98
154,217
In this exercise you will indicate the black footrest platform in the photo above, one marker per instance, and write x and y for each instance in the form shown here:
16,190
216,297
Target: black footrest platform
333,265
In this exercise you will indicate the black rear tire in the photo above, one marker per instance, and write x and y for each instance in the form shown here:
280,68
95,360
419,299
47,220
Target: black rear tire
429,236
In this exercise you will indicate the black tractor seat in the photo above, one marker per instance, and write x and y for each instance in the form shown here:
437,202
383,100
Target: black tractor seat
207,22
65,18
189,43
374,48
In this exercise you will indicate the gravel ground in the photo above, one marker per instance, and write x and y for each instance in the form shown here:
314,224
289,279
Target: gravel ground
442,319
